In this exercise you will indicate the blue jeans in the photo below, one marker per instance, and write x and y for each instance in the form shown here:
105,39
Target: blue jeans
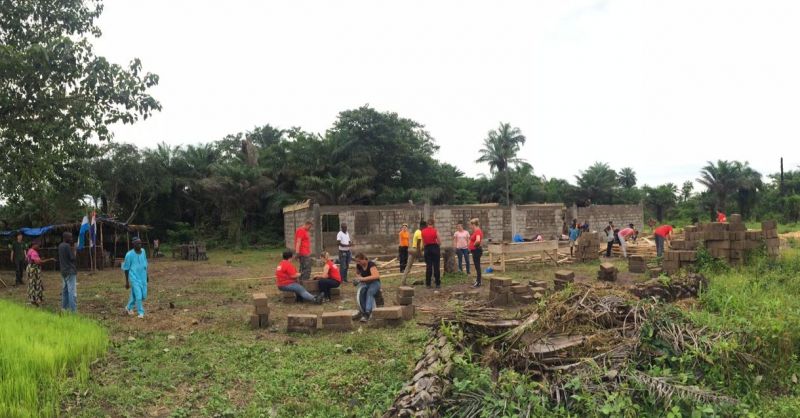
462,253
659,246
298,290
344,263
69,292
366,296
138,294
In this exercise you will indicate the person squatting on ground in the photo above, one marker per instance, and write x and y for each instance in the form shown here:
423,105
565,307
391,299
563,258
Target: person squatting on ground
345,254
18,258
302,247
461,244
475,247
430,239
34,271
369,284
661,234
286,278
69,273
403,238
330,277
135,268
416,251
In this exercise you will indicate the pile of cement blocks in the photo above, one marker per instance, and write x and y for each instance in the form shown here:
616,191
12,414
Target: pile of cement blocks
538,288
405,298
587,246
563,277
608,272
727,241
260,316
311,286
500,291
637,264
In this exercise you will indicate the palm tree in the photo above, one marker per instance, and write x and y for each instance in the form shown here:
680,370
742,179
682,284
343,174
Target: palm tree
686,190
626,178
500,149
336,190
749,184
661,198
721,179
597,183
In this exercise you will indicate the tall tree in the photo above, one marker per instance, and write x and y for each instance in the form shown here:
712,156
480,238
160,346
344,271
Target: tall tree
598,183
748,186
627,178
500,149
56,93
661,198
721,179
686,190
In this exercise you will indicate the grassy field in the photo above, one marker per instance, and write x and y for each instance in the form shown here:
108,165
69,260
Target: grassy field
194,355
38,352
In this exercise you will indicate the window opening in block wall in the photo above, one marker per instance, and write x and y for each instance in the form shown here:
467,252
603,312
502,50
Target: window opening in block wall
330,223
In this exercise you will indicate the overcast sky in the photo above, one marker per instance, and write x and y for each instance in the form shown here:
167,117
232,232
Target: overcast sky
660,86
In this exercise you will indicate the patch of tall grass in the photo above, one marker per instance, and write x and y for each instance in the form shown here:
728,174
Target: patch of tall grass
38,351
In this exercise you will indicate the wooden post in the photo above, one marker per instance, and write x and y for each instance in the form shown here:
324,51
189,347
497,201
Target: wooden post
102,251
128,235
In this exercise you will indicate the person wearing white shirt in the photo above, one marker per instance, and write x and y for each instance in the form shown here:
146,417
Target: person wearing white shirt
345,255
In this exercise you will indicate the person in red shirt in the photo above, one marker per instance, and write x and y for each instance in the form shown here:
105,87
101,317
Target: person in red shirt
662,233
430,239
302,247
475,248
286,278
330,277
721,216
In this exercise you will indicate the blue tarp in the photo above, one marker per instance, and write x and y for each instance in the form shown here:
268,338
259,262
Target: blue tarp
29,232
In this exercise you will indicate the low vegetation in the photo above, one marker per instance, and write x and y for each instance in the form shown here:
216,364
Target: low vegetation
39,351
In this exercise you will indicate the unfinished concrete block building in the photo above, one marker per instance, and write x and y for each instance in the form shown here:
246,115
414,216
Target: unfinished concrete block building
374,229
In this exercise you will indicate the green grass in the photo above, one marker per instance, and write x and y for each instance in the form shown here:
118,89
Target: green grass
38,352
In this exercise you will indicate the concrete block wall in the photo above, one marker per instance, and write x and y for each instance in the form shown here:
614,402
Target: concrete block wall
546,220
598,216
291,221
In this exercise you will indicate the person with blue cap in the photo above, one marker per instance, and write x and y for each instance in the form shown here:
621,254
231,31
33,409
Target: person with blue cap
135,268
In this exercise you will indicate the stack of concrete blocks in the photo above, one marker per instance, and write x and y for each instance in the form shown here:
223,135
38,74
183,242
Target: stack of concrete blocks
392,315
770,231
260,316
563,277
637,264
500,291
522,294
608,272
727,241
469,295
538,289
337,320
405,298
304,323
587,246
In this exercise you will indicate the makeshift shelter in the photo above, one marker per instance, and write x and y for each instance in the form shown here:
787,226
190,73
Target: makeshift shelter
112,241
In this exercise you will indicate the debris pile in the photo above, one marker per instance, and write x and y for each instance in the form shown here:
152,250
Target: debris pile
670,289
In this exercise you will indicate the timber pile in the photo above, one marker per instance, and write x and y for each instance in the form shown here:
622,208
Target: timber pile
642,247
592,339
730,242
586,246
425,392
672,289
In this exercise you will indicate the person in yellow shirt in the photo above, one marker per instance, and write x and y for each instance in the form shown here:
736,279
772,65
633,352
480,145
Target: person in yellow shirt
416,252
403,247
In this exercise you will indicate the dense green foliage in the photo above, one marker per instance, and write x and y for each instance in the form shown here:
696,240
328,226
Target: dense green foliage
38,352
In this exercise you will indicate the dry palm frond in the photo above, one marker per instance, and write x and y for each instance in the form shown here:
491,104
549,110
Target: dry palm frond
666,390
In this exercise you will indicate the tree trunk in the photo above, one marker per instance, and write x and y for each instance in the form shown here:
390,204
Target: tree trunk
508,192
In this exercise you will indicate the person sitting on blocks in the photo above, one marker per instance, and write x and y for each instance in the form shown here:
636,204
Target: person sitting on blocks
330,277
286,278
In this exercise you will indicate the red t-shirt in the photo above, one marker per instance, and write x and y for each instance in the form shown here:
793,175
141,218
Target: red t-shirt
333,271
663,230
429,236
305,241
474,237
721,217
284,274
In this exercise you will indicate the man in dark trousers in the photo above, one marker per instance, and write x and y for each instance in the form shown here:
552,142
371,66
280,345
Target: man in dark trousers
69,273
430,239
18,248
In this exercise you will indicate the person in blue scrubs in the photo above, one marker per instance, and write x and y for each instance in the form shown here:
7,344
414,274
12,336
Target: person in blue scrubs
135,268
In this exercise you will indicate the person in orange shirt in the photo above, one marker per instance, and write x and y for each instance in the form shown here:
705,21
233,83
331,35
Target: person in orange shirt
286,278
402,249
721,216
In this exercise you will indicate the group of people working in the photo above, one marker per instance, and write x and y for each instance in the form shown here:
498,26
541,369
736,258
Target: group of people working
29,260
611,234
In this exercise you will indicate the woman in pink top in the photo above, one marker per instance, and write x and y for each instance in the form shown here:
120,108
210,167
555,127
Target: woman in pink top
461,244
34,270
623,235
